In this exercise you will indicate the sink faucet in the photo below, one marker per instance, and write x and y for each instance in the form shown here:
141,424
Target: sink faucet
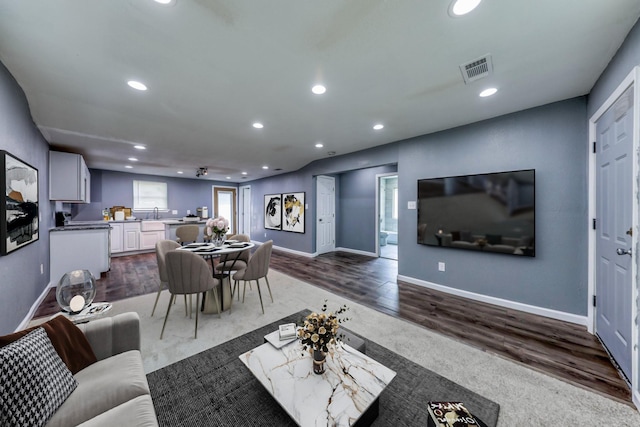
155,213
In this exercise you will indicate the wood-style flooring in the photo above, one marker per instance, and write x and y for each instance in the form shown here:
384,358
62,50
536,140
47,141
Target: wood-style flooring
560,349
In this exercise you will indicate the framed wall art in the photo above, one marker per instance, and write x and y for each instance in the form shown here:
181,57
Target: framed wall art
19,223
293,212
273,211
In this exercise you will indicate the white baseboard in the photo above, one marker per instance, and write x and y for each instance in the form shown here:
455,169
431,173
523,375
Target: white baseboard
34,307
540,311
358,252
291,251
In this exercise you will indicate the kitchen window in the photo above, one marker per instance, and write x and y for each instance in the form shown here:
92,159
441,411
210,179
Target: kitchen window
148,195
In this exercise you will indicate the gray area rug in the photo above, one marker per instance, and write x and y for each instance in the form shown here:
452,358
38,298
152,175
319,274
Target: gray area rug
215,388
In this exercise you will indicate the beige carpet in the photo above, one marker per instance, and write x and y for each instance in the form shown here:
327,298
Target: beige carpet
527,397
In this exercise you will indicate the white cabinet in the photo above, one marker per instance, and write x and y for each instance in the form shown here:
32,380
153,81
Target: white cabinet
69,178
78,249
131,236
148,239
117,242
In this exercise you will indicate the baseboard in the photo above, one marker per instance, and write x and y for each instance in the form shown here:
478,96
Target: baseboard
540,311
34,307
358,252
291,251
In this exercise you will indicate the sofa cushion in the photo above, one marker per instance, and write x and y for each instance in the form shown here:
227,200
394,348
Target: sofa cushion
102,386
69,341
137,412
34,381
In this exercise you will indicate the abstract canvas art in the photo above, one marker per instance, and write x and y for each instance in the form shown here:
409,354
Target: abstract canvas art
273,211
293,212
19,223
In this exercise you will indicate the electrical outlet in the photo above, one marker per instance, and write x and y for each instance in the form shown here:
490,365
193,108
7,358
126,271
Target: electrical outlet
441,266
41,268
174,212
265,234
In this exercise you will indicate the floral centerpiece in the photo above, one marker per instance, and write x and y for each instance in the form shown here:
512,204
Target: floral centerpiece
216,229
319,334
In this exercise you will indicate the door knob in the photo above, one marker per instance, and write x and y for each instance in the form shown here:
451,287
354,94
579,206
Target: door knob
320,220
621,251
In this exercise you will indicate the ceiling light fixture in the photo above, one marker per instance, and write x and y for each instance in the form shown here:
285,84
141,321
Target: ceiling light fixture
318,89
202,171
133,159
258,125
488,92
462,7
319,145
129,167
137,85
244,173
228,177
139,147
265,167
163,1
378,126
180,172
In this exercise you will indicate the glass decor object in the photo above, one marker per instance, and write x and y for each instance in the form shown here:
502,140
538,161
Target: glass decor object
76,290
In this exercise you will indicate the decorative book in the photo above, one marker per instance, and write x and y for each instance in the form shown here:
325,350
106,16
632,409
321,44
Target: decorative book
287,331
451,414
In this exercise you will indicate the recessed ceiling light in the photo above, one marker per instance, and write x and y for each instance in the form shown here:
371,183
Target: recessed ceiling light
318,89
244,173
180,172
139,147
133,159
265,167
462,7
378,126
129,167
163,1
258,125
488,92
137,85
319,145
228,177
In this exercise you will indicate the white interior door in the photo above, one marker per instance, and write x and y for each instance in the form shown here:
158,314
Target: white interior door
244,211
325,214
614,198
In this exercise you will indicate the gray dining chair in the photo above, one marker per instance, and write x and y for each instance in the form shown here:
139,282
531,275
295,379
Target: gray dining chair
187,233
189,274
257,268
229,262
162,247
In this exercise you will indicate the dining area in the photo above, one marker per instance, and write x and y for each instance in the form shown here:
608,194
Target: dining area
212,267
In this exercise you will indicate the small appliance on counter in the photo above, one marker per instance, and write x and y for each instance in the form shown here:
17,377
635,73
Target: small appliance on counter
62,218
203,212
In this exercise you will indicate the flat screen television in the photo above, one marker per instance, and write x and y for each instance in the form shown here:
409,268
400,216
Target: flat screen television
490,212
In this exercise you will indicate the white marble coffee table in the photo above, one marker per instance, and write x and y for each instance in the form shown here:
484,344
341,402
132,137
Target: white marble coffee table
347,391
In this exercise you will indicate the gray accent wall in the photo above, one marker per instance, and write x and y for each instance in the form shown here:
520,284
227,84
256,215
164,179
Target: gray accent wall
22,282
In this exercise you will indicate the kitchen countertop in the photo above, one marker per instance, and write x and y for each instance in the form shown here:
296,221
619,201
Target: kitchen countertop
93,226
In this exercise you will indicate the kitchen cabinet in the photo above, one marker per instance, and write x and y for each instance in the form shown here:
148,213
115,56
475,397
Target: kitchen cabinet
117,238
69,178
78,249
148,239
131,236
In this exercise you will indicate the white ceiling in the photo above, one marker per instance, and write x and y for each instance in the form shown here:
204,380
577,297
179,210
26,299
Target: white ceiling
213,67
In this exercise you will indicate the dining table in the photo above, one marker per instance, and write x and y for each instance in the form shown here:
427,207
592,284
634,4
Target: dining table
210,251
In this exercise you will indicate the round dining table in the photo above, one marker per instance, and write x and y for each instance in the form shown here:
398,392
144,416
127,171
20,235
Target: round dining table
210,251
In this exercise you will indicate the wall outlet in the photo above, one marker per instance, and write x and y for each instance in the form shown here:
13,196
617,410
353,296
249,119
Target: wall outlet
41,268
441,266
174,212
411,204
188,212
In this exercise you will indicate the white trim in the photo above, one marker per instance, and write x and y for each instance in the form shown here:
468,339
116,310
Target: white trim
315,226
540,311
34,307
377,236
291,251
240,198
357,252
633,78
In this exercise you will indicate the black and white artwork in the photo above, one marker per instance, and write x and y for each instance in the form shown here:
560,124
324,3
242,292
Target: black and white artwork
293,212
273,211
19,223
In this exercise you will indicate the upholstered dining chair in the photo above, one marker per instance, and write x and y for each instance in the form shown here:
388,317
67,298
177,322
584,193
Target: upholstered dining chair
187,233
257,268
189,274
162,247
227,261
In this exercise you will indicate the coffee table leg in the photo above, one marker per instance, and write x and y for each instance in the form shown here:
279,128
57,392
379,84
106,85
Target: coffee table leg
369,416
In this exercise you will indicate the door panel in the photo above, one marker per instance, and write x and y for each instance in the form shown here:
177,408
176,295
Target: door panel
325,229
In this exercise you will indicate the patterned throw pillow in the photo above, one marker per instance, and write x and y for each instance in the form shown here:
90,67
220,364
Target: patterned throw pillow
34,381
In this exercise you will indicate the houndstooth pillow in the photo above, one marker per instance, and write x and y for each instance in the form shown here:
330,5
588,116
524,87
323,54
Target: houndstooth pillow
34,381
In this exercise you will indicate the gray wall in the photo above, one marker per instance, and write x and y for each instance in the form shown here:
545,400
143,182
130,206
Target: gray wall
110,188
21,281
550,139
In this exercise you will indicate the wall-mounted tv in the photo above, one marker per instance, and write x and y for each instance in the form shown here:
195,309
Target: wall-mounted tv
490,212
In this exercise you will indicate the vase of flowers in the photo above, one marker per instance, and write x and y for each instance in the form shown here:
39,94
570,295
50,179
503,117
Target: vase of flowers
216,229
319,334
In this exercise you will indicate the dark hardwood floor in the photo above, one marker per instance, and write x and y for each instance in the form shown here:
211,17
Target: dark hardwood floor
560,349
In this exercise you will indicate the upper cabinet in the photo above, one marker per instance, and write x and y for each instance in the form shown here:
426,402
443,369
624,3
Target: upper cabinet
69,178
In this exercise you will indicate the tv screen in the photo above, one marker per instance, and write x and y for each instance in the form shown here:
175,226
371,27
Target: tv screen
491,212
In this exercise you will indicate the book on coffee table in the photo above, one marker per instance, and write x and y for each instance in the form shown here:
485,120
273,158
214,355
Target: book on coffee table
451,414
287,331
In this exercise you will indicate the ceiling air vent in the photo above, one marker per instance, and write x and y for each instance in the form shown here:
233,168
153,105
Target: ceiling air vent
477,69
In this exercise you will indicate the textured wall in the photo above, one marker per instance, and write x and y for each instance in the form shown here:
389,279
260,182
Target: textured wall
21,281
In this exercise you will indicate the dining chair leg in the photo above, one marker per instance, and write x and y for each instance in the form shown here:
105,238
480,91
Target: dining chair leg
167,316
269,287
157,298
197,305
186,312
260,295
215,297
244,290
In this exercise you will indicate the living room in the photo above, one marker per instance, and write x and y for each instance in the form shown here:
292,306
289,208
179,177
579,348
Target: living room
553,139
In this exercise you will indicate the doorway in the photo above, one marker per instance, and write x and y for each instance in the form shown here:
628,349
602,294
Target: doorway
244,210
387,216
224,204
325,214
